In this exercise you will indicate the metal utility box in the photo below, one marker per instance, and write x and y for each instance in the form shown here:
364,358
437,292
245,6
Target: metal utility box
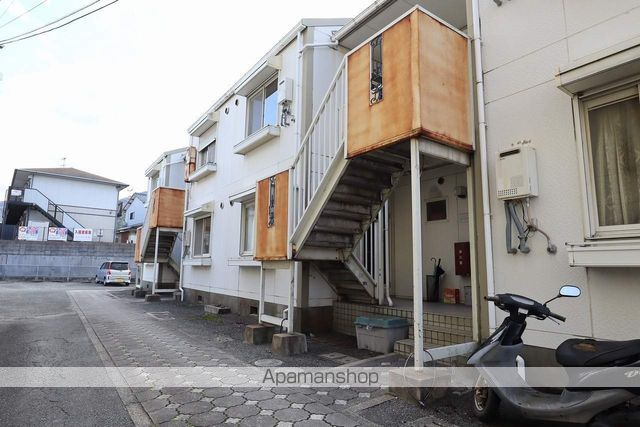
516,173
380,333
412,79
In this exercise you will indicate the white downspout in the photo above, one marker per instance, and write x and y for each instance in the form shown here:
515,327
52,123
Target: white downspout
484,166
187,188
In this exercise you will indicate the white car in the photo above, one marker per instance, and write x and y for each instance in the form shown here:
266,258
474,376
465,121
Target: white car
114,272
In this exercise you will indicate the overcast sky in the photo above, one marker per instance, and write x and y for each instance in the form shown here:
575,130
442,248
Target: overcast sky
114,90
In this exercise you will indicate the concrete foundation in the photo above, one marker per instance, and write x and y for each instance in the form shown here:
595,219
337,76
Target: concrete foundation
258,334
289,344
314,320
217,309
417,386
152,298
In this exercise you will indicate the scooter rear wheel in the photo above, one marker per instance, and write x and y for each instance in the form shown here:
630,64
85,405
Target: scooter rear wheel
485,401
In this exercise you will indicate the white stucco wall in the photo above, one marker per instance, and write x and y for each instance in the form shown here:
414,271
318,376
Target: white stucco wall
92,204
239,173
438,237
524,43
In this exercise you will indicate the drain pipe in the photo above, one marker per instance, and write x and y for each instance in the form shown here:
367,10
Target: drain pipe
187,190
299,73
484,166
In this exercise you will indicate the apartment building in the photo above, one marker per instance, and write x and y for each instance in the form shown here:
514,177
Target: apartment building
562,77
250,134
359,163
159,237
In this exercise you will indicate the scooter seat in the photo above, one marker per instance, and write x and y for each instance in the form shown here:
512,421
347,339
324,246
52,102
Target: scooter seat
591,353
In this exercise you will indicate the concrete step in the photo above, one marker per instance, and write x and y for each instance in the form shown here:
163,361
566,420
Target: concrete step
358,191
354,199
332,239
366,183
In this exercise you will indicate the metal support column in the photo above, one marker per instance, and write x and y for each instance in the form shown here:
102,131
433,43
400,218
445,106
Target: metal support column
155,264
416,231
292,289
262,292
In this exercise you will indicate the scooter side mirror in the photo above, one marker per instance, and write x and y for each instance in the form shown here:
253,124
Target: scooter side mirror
569,291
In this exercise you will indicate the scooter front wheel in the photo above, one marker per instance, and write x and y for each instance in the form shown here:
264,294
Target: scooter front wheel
485,401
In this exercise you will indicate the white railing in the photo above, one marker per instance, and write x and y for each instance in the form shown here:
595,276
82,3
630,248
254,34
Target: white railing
35,196
318,148
373,251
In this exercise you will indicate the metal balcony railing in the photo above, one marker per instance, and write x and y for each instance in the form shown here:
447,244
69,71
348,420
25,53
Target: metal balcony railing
322,142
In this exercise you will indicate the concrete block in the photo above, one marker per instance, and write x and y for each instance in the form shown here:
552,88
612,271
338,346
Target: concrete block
417,386
139,293
289,344
258,334
152,298
217,309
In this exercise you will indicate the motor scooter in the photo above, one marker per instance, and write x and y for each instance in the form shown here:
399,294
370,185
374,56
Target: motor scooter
584,402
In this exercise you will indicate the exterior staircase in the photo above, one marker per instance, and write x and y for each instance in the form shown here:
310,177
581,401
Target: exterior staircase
35,199
337,201
163,222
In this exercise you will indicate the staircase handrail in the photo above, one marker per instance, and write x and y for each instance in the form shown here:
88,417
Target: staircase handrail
323,138
144,234
56,206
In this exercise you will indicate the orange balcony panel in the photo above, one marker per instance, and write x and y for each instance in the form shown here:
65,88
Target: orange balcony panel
426,87
271,236
167,208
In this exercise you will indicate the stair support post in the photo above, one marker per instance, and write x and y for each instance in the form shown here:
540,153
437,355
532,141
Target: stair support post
262,292
291,306
416,240
154,285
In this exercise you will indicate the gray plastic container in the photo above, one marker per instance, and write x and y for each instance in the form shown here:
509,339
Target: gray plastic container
380,333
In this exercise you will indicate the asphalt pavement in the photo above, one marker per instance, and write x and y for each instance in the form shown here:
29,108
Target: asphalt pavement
40,327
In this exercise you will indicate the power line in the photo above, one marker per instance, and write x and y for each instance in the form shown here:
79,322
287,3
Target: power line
7,8
19,38
22,14
52,22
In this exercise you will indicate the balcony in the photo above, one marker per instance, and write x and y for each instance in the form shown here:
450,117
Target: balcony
410,80
166,208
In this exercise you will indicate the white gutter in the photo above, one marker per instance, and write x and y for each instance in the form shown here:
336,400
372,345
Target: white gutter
484,166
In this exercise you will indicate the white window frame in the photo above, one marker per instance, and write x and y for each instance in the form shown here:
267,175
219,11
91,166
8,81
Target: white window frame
193,237
210,159
582,104
260,90
244,252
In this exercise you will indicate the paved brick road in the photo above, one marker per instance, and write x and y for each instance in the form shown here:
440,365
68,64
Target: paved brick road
132,338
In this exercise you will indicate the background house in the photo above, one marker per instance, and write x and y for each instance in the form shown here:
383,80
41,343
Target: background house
131,214
63,197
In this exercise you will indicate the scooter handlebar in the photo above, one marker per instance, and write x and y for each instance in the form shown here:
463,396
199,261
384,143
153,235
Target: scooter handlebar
557,316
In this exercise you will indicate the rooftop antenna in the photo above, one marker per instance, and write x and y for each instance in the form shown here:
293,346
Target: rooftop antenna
64,162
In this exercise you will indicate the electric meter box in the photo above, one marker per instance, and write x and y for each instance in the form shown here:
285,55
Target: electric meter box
285,90
516,173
